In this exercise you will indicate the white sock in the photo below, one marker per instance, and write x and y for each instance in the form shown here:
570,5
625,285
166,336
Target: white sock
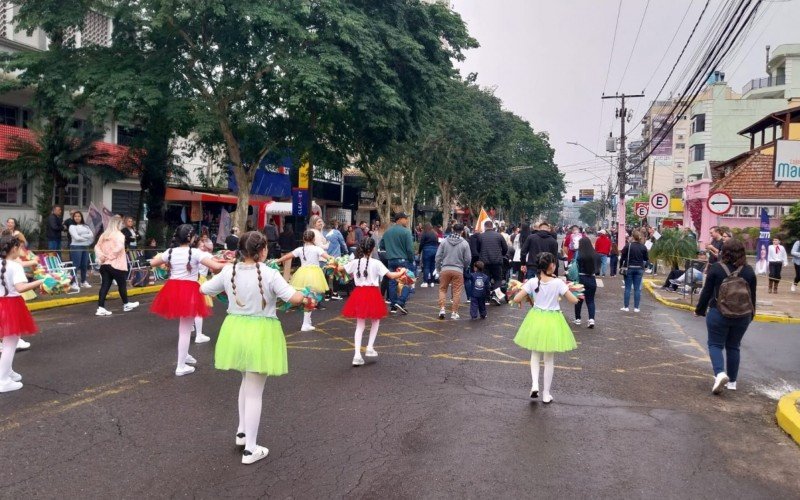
549,368
184,339
253,391
535,357
198,325
361,324
240,429
307,319
7,357
373,332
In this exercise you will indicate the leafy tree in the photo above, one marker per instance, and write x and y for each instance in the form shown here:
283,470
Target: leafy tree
591,211
790,225
630,216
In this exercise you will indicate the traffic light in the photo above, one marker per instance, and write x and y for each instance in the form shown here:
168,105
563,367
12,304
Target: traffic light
573,199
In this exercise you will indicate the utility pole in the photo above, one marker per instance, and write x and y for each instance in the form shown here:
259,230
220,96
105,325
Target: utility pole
622,175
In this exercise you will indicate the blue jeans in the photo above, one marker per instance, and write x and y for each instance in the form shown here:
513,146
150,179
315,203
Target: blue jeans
393,298
589,289
633,278
725,333
604,265
80,259
428,263
54,244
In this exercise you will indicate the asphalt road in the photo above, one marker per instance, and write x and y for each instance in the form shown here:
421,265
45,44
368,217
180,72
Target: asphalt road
444,412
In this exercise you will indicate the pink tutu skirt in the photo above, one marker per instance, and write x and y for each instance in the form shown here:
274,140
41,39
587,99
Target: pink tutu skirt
180,299
15,319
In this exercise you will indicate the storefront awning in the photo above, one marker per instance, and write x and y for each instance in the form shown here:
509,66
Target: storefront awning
174,194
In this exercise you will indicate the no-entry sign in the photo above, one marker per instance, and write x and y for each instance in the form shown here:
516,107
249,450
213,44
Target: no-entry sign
640,208
719,203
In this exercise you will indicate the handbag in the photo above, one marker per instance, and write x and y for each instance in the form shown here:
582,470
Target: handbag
624,270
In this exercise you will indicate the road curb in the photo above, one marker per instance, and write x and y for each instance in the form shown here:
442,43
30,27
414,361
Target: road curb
788,416
50,304
761,318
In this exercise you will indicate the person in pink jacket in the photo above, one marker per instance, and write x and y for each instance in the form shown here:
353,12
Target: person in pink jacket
110,252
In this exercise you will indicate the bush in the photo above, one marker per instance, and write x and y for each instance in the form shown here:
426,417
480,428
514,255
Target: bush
674,247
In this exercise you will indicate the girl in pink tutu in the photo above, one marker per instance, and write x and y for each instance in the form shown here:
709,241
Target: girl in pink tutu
366,301
181,298
15,319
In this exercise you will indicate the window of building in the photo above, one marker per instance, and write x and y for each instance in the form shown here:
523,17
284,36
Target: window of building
127,135
679,166
14,191
27,116
124,202
8,115
680,145
79,191
697,152
678,179
698,123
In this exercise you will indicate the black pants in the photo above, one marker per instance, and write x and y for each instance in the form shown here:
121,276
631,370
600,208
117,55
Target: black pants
775,274
477,305
109,274
589,289
796,274
495,273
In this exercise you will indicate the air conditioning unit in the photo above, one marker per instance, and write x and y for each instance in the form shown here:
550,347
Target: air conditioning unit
747,211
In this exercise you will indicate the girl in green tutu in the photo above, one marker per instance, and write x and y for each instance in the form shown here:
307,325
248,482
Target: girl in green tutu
251,339
544,330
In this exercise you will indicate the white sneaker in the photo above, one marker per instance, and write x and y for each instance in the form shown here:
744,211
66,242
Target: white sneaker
358,360
10,385
22,345
577,321
86,284
719,383
635,310
199,338
102,311
190,360
16,377
454,316
547,399
130,306
240,439
442,312
307,328
249,457
423,285
591,323
731,386
186,370
793,288
624,309
74,287
371,353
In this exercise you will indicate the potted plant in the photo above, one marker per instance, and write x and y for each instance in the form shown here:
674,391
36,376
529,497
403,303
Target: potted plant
674,247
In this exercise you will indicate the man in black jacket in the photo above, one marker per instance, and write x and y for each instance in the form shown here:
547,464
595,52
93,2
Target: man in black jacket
492,248
541,240
55,225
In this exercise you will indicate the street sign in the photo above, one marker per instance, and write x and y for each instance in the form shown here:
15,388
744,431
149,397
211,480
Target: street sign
659,205
586,195
641,208
720,203
299,202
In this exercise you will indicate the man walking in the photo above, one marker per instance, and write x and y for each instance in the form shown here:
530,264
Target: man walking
491,250
539,241
55,225
452,257
603,248
399,246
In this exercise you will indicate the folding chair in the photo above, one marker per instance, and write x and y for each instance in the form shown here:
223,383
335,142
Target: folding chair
135,261
52,263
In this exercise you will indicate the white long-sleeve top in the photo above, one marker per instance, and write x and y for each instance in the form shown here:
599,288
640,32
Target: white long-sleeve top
777,253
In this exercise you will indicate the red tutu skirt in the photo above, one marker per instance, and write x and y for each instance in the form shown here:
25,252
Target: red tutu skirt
15,319
366,302
180,299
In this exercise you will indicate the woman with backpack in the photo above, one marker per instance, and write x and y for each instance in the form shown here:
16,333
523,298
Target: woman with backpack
728,301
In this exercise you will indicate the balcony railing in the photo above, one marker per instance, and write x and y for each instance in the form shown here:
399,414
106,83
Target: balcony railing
760,83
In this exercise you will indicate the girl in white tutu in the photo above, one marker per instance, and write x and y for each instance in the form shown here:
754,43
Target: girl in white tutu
545,331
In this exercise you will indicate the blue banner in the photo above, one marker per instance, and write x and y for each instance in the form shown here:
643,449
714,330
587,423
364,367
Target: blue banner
299,202
265,183
763,242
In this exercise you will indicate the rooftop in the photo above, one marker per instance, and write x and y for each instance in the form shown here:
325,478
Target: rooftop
751,179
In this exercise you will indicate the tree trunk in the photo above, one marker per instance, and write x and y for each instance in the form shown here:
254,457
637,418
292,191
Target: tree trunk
244,181
447,201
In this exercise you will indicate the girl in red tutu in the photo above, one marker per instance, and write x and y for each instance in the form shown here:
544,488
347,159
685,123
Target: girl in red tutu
366,301
181,298
15,320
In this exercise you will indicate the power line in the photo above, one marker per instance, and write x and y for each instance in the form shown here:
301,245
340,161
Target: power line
674,36
635,42
608,68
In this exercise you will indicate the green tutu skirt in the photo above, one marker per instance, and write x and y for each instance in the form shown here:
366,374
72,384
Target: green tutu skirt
545,331
310,276
251,344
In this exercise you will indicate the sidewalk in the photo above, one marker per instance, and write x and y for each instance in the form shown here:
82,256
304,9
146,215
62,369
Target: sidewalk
85,295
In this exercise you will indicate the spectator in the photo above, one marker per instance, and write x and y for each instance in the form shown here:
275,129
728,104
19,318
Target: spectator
287,243
271,232
54,227
110,251
588,263
13,227
571,242
777,258
81,238
351,239
232,241
613,258
336,248
796,262
491,250
516,253
428,246
715,245
634,259
541,240
452,260
132,236
399,246
603,248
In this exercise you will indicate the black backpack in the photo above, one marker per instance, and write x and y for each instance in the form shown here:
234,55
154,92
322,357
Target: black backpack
733,298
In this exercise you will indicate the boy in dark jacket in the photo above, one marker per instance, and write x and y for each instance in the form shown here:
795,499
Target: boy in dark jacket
480,288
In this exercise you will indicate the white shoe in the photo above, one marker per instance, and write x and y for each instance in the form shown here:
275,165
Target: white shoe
442,312
719,383
86,284
307,328
358,360
16,377
102,311
186,370
371,353
624,309
547,399
10,385
577,321
22,345
423,285
591,323
240,439
130,306
454,316
190,360
336,297
199,338
249,457
74,287
731,386
793,288
635,310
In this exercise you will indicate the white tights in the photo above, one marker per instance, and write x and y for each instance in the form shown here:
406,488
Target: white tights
250,393
7,356
306,318
549,368
184,339
361,324
198,325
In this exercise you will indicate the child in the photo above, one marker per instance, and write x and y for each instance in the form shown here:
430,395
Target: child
544,329
202,244
251,338
310,273
366,301
477,299
15,320
181,298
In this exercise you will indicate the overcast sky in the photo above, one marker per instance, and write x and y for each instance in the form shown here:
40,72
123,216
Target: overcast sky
548,62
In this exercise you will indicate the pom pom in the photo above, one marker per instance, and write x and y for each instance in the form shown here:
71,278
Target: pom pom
310,301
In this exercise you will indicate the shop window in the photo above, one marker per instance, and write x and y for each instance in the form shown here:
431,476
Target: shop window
8,115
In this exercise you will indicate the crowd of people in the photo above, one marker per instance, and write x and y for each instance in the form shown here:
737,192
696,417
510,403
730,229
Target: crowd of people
480,263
